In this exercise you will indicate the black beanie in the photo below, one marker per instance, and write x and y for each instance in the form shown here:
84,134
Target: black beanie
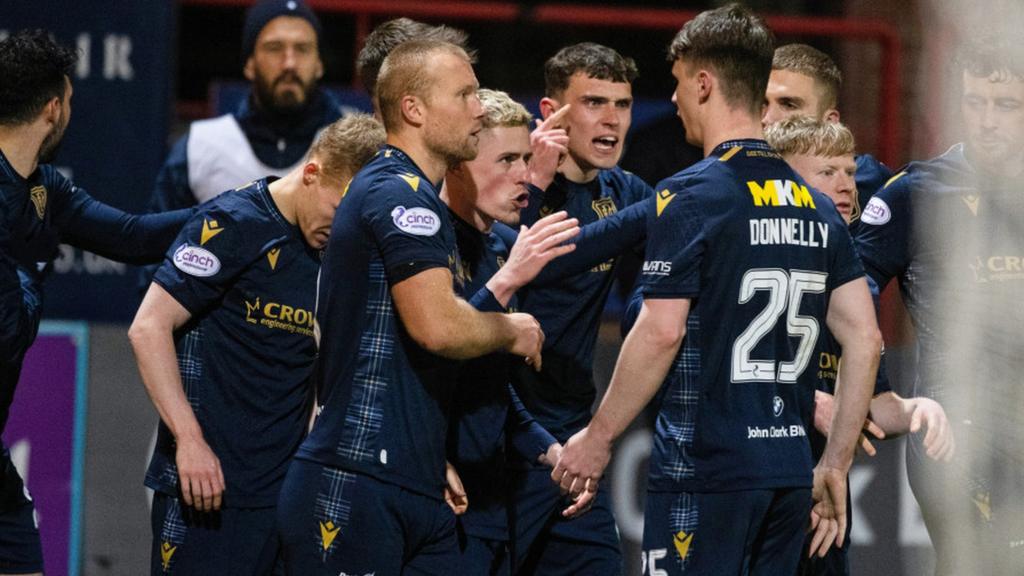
261,13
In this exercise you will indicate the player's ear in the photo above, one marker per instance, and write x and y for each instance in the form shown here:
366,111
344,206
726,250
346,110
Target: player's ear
52,110
412,109
548,106
831,115
310,172
705,81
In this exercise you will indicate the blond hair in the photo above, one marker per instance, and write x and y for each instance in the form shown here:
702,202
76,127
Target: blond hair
501,110
345,145
806,135
407,71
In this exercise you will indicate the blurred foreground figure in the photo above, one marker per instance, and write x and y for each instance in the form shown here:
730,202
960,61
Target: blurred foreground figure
951,230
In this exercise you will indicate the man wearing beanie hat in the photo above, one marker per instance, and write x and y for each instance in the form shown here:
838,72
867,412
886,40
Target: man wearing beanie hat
273,128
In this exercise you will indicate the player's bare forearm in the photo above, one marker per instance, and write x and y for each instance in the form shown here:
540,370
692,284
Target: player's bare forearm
851,320
152,339
447,325
892,413
645,359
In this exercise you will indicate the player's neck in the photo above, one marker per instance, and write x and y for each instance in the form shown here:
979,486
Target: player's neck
731,124
20,145
454,194
284,193
416,149
574,173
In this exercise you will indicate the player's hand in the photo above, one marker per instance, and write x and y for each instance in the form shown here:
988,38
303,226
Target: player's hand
824,404
581,504
828,515
582,463
529,338
454,492
550,457
938,440
538,245
199,475
549,143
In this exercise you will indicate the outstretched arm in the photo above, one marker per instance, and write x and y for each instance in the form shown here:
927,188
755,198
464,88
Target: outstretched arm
644,361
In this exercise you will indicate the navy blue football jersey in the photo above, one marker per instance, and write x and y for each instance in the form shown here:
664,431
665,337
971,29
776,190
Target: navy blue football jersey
871,175
758,253
561,395
953,238
248,279
384,400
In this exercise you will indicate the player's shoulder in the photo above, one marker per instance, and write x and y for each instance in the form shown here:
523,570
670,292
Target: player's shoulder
389,170
624,180
933,176
246,211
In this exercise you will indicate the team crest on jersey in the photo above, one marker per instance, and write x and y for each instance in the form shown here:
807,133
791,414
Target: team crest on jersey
196,261
877,212
38,196
604,207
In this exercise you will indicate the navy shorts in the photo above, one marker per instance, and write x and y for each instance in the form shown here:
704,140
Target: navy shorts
335,522
755,532
237,541
20,549
481,556
546,543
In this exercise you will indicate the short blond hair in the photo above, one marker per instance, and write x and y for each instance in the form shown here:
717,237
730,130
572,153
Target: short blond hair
347,144
806,135
406,71
501,110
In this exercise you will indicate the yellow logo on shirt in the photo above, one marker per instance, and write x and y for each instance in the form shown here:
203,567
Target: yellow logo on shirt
210,229
166,552
682,541
38,196
780,193
662,200
272,257
412,181
972,203
280,316
983,500
328,531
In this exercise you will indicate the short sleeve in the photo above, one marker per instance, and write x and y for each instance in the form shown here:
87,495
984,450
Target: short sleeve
211,250
675,245
883,237
409,225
